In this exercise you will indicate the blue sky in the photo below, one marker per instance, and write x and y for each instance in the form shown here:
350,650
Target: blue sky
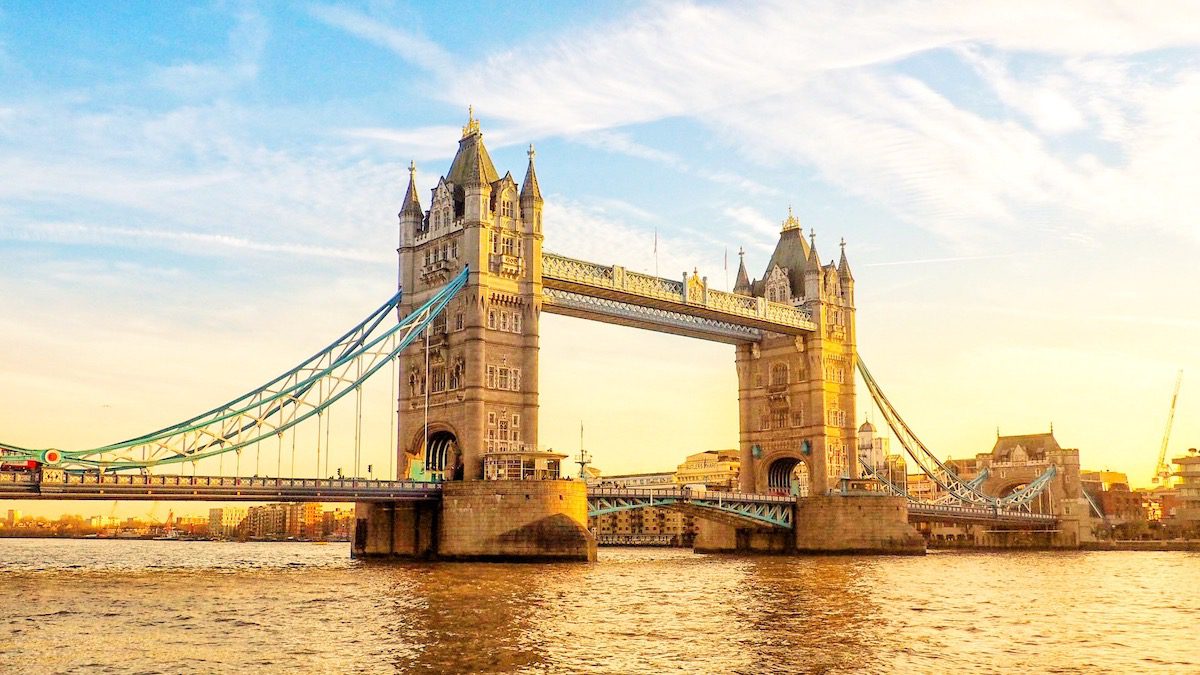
192,193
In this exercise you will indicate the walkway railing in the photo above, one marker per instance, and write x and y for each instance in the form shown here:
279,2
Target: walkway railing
691,294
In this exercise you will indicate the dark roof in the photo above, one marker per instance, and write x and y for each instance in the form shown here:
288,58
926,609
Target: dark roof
412,205
1035,445
472,165
791,253
530,189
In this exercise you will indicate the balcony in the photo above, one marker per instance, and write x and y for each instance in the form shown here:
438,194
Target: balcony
436,272
506,264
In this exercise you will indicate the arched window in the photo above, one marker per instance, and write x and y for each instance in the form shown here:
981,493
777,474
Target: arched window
779,374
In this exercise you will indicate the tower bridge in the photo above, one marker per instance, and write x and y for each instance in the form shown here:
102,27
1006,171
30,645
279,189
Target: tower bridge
463,362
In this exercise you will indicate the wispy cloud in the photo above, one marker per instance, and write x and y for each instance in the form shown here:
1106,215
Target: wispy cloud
410,46
198,80
195,243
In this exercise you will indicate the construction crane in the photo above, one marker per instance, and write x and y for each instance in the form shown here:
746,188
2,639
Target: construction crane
1162,472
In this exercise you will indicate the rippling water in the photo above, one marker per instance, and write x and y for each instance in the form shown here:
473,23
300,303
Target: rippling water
159,606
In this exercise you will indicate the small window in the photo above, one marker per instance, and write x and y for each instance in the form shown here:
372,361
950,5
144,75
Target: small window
492,319
516,420
502,378
516,324
504,321
458,321
491,377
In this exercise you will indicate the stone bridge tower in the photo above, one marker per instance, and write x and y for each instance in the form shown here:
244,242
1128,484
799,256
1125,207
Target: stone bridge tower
796,404
481,392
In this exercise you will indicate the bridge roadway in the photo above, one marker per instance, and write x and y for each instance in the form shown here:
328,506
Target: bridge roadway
214,488
773,511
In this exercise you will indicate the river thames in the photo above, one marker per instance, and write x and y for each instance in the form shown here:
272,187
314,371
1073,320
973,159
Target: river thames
71,606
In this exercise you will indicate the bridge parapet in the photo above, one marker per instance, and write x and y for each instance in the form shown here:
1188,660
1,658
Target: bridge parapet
691,294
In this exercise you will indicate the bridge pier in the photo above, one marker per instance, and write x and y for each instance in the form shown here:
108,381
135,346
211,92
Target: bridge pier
717,537
861,524
502,520
826,524
405,530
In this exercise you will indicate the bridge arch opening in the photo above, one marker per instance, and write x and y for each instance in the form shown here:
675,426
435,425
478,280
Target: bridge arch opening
442,459
789,476
1039,504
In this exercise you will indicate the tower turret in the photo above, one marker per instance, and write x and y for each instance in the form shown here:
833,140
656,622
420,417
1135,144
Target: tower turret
812,269
846,278
742,285
531,198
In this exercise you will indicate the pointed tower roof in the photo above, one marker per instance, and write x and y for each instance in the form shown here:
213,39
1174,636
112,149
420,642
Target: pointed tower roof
742,285
412,204
814,259
791,254
472,164
530,189
844,265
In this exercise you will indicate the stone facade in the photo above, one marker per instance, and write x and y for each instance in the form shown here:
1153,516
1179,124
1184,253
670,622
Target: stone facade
824,524
796,402
483,357
515,520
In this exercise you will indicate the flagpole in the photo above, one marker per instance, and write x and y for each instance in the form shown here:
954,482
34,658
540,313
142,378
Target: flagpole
655,274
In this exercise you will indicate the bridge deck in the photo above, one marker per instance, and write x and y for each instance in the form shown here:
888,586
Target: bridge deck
214,488
947,513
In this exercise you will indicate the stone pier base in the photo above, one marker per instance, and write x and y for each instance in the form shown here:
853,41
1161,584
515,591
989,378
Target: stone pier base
395,530
863,524
717,537
481,520
828,524
515,520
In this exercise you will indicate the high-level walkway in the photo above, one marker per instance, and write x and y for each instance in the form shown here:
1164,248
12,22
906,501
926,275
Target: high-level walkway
613,294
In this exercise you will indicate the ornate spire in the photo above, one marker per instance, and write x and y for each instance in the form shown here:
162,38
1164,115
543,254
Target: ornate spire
742,285
844,264
472,125
530,190
814,260
791,222
412,205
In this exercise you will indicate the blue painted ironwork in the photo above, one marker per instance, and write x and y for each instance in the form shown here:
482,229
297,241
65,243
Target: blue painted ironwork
271,409
771,510
965,492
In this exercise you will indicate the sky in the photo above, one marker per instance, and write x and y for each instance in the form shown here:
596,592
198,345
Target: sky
194,197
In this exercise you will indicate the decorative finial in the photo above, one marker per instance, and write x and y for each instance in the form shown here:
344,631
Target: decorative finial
843,244
791,222
412,168
812,237
532,152
741,252
472,126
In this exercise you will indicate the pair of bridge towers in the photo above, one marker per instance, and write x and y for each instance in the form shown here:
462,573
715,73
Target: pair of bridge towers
468,394
480,396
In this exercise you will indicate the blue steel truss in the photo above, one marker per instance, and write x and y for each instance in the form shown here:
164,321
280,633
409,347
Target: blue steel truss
770,510
960,491
268,411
